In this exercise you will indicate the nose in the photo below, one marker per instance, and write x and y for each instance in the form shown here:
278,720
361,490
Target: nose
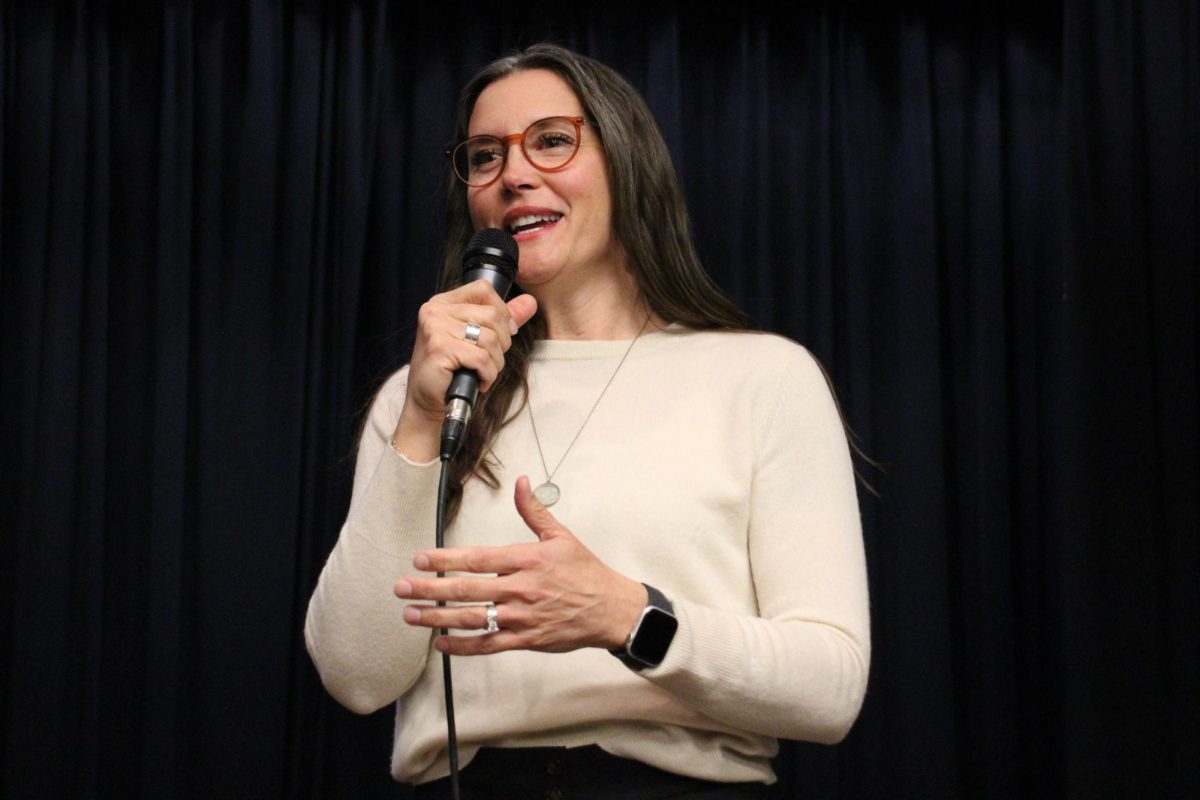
517,172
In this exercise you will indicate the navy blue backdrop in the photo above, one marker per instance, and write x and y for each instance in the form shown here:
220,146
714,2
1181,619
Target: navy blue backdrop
217,221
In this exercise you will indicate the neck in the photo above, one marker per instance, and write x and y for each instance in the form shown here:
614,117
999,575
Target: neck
610,309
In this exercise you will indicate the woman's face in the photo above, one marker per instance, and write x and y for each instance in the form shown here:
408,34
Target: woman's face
561,220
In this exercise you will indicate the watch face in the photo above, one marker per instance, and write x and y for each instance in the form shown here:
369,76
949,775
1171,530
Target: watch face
654,636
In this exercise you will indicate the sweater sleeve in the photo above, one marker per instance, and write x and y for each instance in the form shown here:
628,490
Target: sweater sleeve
798,670
355,633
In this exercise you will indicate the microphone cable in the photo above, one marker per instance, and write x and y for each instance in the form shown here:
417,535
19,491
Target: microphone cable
491,256
440,541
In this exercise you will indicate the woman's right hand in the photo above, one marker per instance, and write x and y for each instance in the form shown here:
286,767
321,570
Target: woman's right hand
442,347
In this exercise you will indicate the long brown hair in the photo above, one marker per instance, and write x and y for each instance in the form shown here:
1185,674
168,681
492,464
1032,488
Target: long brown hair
649,219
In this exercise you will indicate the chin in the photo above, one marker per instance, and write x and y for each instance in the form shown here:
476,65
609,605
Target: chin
535,272
533,280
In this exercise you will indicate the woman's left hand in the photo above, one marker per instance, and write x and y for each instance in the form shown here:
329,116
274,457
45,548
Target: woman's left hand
552,595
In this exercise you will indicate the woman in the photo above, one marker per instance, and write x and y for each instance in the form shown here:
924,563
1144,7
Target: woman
704,528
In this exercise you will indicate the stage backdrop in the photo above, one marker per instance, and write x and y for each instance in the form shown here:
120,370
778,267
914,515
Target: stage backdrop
217,221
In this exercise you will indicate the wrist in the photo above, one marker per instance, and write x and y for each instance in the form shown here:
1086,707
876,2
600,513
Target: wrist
647,643
633,600
417,435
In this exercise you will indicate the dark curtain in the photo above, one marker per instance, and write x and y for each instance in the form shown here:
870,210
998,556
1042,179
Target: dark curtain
217,221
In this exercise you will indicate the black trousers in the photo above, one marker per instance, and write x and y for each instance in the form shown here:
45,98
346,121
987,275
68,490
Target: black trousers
578,773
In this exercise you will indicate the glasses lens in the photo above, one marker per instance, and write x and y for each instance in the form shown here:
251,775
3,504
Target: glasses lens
550,143
478,159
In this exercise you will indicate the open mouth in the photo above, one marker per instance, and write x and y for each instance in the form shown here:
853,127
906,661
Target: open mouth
532,222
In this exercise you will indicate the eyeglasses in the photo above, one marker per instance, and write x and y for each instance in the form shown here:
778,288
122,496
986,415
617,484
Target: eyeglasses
548,144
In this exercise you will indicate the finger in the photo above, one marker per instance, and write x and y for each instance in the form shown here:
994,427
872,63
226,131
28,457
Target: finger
481,292
463,618
486,560
483,645
478,292
468,356
536,516
521,308
493,320
489,342
454,589
467,618
454,323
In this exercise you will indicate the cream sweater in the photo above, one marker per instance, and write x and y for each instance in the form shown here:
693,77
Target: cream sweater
715,469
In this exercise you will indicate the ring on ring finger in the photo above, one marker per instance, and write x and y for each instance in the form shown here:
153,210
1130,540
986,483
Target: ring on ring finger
493,619
472,333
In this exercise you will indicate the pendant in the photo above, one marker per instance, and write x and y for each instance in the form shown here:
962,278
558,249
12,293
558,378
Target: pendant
547,494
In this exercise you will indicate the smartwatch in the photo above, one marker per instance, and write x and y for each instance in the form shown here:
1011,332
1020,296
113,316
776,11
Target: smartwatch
648,642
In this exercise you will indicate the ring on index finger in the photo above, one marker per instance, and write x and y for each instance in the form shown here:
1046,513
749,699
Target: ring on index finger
493,619
472,334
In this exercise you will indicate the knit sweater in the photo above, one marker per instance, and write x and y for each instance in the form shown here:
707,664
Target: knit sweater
716,469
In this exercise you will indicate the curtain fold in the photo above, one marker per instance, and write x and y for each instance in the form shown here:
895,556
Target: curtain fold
1128,549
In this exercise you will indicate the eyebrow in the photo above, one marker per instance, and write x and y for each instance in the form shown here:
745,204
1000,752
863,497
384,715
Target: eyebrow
522,130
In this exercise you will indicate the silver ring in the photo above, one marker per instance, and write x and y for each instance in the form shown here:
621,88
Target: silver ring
472,334
493,621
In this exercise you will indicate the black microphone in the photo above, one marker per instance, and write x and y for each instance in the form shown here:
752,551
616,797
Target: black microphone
491,255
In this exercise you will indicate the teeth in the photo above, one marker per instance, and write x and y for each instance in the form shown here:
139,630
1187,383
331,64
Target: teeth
530,220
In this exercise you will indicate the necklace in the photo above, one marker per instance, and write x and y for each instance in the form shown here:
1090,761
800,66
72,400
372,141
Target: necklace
547,493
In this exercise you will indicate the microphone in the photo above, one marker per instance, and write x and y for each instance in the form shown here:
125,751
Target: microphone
491,255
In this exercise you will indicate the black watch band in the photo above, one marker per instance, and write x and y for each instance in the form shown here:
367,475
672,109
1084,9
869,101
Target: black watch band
652,634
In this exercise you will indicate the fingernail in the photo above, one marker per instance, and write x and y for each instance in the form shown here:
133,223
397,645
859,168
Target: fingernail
421,561
412,615
403,588
512,326
441,645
